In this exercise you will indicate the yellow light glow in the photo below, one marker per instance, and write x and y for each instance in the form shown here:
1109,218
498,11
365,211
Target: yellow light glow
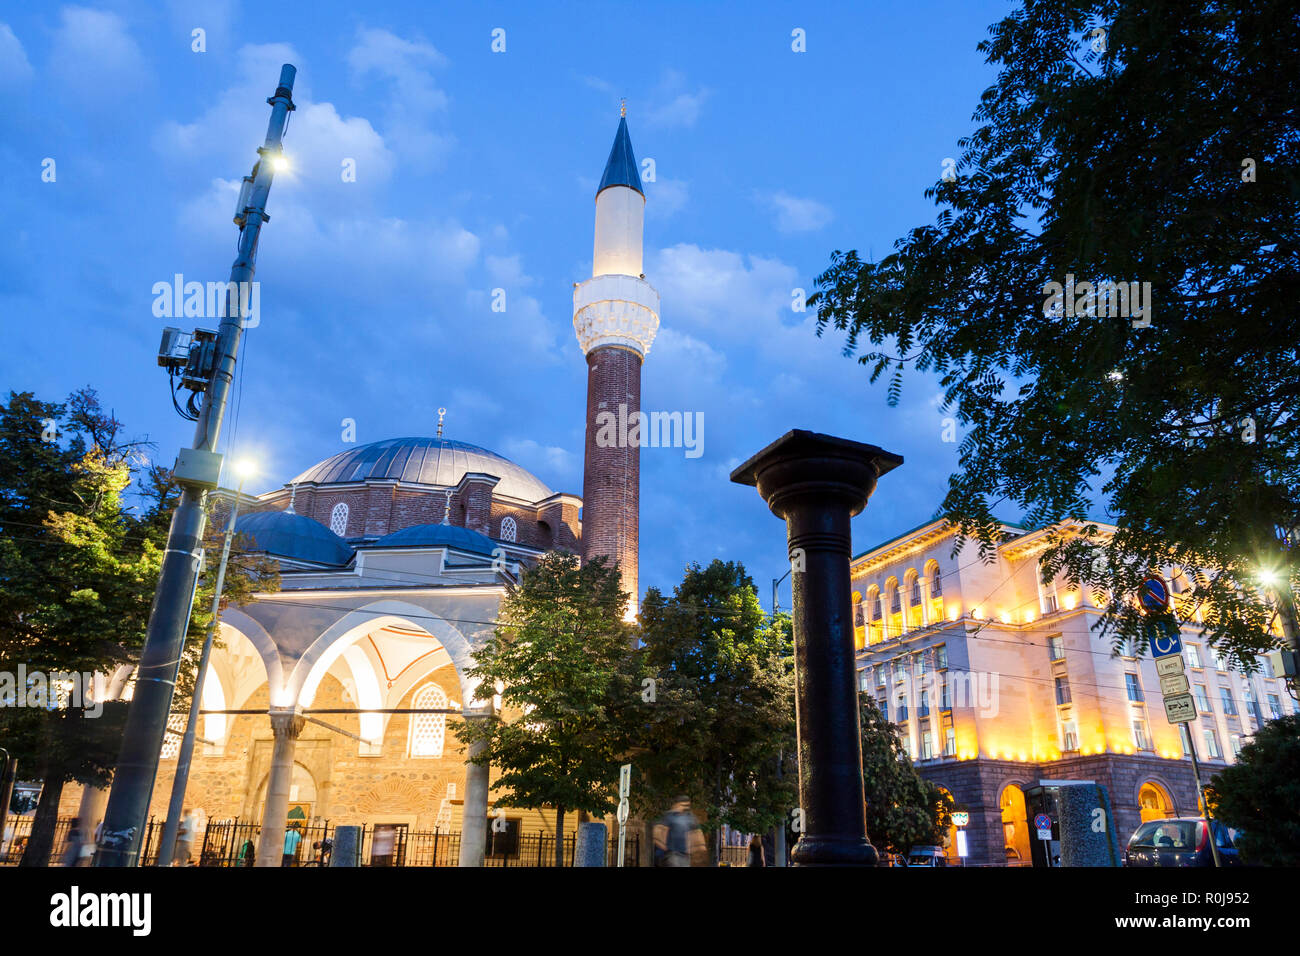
1268,577
1029,617
1005,616
1068,602
245,468
279,163
954,614
977,613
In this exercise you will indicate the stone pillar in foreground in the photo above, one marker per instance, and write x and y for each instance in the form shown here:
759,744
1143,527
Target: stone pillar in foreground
286,725
817,483
474,821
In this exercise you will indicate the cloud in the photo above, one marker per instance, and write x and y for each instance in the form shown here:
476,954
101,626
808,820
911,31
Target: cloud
14,67
677,106
665,196
797,215
94,57
406,66
720,292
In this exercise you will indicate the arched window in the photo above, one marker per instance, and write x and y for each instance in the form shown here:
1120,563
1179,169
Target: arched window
428,731
509,530
339,519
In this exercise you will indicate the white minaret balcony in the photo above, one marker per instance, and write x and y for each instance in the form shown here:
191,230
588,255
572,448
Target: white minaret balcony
616,310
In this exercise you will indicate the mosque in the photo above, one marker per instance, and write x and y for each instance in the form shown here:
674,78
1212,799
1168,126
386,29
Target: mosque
394,557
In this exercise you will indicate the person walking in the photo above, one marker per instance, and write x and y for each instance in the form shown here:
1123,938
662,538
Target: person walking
184,840
72,849
756,857
292,837
677,837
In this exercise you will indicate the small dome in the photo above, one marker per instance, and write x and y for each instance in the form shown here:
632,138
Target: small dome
428,461
295,536
438,536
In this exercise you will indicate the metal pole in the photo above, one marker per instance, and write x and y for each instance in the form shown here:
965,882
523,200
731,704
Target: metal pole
1200,792
146,720
8,772
167,846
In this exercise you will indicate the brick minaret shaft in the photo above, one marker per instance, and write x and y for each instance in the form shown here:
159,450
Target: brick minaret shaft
611,475
616,317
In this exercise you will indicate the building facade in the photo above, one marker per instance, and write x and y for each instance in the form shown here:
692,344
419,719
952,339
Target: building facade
997,682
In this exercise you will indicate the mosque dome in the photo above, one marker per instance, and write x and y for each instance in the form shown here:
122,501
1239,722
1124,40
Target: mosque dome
427,461
438,536
288,535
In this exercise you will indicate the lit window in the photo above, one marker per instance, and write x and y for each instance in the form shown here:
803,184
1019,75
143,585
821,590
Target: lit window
1062,691
936,586
428,731
1056,647
916,591
923,705
509,530
1229,705
949,738
172,741
339,519
1274,705
1234,741
1069,735
1194,655
1140,735
941,657
1211,743
1133,687
1202,699
927,747
902,708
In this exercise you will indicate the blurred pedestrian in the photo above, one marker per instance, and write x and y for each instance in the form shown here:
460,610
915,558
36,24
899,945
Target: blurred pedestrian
72,849
756,857
677,837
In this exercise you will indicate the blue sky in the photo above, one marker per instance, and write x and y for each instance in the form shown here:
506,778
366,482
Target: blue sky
476,170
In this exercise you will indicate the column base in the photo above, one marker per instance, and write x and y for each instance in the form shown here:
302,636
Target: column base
833,851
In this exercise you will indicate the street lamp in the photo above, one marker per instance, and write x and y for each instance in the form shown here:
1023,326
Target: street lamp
244,469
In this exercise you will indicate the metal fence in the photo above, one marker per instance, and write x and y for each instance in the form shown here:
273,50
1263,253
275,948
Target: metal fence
232,843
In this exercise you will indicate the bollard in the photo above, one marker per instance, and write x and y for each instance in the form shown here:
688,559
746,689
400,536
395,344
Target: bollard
590,848
347,846
817,483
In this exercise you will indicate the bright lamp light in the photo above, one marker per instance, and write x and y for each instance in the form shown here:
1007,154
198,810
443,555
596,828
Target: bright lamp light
245,468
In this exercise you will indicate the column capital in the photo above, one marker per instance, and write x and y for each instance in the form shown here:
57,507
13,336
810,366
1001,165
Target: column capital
287,722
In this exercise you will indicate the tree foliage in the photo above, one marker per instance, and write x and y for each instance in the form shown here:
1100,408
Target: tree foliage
903,808
561,657
720,728
1259,795
1153,142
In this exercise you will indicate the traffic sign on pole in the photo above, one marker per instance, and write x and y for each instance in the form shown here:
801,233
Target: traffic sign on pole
1173,685
1180,708
1154,593
1168,666
1165,639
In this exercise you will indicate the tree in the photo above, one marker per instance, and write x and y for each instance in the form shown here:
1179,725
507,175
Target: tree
561,657
77,577
720,727
903,808
73,600
1152,143
1259,795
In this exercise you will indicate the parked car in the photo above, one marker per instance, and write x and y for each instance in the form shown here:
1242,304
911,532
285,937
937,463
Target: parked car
927,856
1179,841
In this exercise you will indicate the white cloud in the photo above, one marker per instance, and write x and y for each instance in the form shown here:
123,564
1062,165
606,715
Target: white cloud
414,96
676,105
14,67
94,56
665,196
797,215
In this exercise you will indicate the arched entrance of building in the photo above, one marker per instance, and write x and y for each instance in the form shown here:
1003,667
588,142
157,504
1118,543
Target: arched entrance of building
1015,826
1154,802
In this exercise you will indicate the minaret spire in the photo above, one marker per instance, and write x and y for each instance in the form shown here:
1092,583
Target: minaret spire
616,318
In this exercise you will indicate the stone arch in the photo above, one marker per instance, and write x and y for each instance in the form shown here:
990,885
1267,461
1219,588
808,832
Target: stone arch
1155,800
1015,820
262,642
334,641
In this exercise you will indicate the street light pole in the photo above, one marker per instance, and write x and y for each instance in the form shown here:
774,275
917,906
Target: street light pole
196,472
167,846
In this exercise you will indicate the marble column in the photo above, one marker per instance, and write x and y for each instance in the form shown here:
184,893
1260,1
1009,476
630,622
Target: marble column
474,822
817,483
286,725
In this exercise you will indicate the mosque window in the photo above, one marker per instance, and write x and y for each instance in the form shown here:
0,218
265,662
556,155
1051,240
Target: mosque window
509,530
428,731
339,519
172,741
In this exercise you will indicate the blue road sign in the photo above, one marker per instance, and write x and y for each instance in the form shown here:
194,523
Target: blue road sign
1165,639
1155,594
1043,822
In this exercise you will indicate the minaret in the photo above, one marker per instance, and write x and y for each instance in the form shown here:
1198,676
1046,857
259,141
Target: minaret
616,316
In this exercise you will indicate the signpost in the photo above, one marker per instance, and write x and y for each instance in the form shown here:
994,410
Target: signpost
1173,685
1043,824
624,788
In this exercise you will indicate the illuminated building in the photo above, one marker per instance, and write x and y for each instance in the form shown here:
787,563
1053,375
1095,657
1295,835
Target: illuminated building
997,682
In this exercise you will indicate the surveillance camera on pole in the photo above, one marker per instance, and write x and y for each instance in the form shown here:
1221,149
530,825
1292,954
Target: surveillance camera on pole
206,364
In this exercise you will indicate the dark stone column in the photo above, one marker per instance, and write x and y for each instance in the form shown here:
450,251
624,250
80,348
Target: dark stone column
817,483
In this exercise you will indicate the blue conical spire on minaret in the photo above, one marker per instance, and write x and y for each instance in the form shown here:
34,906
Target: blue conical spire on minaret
620,169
